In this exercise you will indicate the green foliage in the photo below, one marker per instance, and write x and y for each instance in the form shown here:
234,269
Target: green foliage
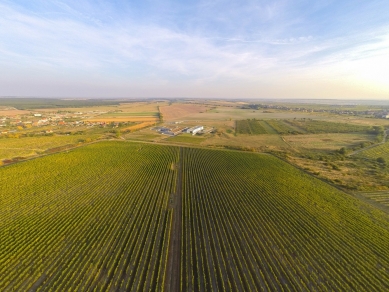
160,115
343,151
379,131
335,167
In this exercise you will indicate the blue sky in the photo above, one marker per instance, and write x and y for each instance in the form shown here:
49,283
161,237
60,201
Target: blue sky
247,49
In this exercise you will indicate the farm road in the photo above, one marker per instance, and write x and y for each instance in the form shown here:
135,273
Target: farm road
172,282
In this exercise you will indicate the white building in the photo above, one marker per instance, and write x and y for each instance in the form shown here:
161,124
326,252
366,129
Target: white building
195,130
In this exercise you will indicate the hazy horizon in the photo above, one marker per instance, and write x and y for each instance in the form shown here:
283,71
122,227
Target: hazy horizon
167,49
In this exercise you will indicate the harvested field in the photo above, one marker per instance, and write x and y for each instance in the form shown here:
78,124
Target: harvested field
138,126
126,107
123,119
140,107
178,111
13,112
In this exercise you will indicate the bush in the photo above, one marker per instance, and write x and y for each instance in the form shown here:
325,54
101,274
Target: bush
335,167
342,151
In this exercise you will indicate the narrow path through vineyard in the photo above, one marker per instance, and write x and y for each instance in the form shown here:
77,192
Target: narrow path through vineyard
172,282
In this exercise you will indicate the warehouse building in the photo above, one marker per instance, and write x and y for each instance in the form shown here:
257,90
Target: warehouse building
195,130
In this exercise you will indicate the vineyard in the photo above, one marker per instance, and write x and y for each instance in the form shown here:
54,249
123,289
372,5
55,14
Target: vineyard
254,223
117,216
381,197
95,218
280,127
295,126
258,127
251,127
316,126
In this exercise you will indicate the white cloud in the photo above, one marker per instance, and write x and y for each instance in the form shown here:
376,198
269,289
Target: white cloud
126,53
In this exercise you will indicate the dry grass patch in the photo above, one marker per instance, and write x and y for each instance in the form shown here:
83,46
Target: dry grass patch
140,107
13,112
340,173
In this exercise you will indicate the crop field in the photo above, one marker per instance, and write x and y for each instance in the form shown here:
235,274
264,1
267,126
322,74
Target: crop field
125,216
377,152
317,127
258,127
251,127
187,138
381,197
255,223
281,128
93,219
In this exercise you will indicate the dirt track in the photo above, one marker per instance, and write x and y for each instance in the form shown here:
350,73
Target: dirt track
172,282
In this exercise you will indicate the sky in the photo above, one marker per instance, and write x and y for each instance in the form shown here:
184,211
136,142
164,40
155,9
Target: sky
225,49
